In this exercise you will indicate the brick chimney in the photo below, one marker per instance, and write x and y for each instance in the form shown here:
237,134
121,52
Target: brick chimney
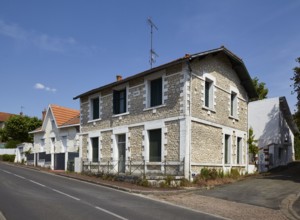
119,77
43,114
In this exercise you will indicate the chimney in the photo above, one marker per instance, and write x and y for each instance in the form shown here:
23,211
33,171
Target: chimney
119,77
43,114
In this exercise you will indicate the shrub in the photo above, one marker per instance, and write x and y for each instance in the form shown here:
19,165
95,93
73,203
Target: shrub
184,182
208,174
12,144
8,157
234,173
143,182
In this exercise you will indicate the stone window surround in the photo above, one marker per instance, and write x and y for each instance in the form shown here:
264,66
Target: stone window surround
91,107
94,134
118,88
114,147
236,114
212,79
147,80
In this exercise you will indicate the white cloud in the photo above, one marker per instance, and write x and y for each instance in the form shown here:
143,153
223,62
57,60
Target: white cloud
41,40
40,86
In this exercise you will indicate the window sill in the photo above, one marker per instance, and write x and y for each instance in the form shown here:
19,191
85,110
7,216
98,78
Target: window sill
121,114
94,120
154,107
235,118
209,109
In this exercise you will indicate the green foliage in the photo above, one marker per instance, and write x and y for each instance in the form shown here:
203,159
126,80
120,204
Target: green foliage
3,135
18,126
12,144
297,147
143,182
260,88
253,148
184,182
234,173
7,157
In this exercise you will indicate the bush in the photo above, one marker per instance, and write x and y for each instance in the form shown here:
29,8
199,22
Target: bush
143,182
234,173
184,182
208,174
12,144
8,157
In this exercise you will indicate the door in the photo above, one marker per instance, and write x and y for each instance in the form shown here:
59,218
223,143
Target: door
59,161
122,152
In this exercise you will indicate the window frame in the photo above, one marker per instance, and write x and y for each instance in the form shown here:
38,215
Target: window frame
239,150
117,101
209,94
158,157
94,140
91,106
227,149
233,104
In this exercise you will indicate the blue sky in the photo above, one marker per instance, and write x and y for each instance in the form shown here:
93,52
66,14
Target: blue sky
52,51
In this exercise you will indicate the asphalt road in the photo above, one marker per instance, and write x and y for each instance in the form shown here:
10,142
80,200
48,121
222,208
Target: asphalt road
265,191
30,194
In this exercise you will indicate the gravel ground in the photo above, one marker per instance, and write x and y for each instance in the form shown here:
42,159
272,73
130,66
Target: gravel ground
224,208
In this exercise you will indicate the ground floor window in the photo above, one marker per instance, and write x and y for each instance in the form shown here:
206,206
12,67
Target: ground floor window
95,149
155,145
227,149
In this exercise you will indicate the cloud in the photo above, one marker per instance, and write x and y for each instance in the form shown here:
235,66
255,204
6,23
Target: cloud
40,86
41,40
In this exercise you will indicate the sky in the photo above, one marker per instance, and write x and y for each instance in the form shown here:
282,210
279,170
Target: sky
52,51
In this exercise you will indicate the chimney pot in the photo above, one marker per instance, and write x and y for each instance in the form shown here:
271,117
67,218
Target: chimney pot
119,78
43,114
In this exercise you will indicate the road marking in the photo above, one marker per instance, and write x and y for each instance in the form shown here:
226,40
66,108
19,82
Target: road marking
111,213
6,172
37,183
65,194
19,176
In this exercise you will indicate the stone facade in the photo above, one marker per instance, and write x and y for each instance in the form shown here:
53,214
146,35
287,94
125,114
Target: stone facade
201,143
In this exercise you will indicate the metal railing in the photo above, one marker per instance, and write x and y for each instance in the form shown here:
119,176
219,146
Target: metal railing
136,168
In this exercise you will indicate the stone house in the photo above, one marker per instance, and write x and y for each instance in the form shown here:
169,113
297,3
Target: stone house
274,129
57,141
175,118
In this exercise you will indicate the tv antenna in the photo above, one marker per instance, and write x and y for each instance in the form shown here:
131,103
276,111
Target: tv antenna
153,54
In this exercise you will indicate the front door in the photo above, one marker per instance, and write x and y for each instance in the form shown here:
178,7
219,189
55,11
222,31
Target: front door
122,152
59,161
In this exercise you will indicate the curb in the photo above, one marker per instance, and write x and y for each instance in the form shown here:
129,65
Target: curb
286,206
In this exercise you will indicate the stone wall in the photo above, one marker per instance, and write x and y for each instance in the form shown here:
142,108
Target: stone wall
173,141
206,144
136,143
106,143
220,68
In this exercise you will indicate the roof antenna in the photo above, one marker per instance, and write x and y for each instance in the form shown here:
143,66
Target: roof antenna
153,54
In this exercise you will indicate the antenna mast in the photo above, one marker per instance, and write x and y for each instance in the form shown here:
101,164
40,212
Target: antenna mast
153,54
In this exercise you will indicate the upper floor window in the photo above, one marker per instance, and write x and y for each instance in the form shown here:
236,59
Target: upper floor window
208,92
233,104
95,108
156,88
119,101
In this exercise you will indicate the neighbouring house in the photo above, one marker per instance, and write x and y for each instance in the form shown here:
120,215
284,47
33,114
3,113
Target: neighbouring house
56,142
274,130
22,151
173,119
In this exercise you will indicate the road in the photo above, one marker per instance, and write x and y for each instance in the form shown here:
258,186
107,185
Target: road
265,191
31,194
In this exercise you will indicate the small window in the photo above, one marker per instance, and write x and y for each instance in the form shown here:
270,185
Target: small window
208,102
95,108
156,92
120,101
233,104
227,149
95,149
239,150
155,145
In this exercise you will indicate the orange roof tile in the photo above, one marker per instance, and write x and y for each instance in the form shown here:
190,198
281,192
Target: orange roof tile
5,116
63,115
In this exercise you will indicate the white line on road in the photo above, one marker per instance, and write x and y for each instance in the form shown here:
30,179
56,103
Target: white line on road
37,183
65,194
19,176
111,213
6,172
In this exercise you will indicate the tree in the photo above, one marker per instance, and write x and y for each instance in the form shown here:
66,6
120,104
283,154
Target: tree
17,128
296,89
253,148
260,88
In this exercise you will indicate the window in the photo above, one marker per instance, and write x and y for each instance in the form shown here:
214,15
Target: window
120,101
42,144
95,149
239,151
53,144
155,145
122,152
208,101
227,149
233,104
280,153
156,92
95,108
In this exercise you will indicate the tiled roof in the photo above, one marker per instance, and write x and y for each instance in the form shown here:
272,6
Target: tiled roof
5,116
73,121
65,115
